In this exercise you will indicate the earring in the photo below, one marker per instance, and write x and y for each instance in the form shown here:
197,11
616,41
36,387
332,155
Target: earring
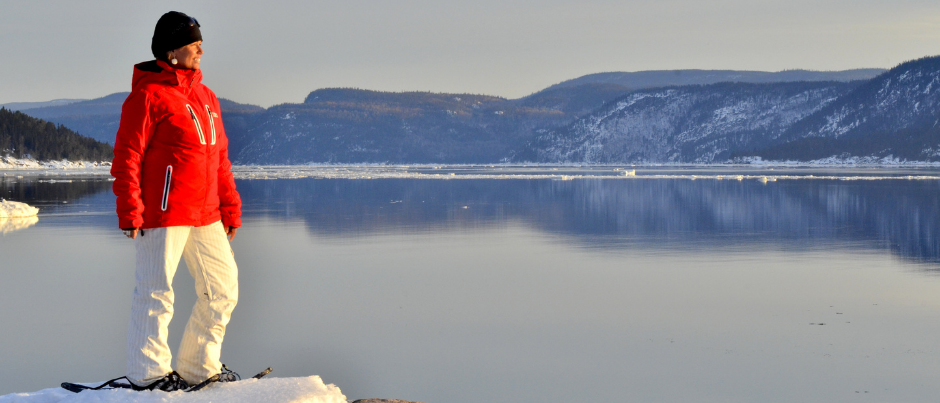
173,61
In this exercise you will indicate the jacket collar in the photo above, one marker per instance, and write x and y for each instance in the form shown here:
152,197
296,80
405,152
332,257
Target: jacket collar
163,72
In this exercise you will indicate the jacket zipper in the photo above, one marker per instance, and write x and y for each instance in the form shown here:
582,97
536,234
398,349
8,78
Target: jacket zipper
166,187
192,113
211,123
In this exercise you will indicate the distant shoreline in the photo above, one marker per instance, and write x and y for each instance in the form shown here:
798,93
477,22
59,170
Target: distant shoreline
765,171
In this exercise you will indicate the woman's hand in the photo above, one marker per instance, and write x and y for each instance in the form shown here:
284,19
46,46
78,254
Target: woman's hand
231,233
131,232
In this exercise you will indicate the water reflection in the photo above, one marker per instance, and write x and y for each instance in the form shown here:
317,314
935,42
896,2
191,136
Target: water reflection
51,189
900,215
8,225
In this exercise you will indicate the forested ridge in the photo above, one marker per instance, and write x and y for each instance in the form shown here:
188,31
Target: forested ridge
23,136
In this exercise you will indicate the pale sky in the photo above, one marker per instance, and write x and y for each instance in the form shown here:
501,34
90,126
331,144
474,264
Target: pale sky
272,52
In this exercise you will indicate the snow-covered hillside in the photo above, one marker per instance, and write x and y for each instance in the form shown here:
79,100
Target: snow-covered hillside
700,124
906,96
895,115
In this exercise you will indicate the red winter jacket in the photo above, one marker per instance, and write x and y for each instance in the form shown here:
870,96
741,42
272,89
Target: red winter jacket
171,163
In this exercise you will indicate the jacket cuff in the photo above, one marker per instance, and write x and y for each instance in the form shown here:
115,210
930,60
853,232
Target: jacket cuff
231,221
130,223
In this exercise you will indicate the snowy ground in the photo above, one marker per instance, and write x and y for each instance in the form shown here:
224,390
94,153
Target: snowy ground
276,390
839,161
10,163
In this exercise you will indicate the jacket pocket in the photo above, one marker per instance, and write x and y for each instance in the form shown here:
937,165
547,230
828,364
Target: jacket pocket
166,187
192,113
211,123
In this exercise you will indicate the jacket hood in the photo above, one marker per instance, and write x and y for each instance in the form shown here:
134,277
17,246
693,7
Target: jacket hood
156,71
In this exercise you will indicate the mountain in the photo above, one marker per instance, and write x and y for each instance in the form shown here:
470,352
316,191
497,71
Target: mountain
22,106
896,114
24,136
698,116
698,124
576,100
99,118
668,78
96,118
350,125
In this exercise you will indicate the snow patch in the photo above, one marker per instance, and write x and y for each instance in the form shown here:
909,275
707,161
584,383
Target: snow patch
8,162
281,390
839,161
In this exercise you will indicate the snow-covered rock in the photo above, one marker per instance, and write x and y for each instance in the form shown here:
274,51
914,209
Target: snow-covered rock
310,389
12,209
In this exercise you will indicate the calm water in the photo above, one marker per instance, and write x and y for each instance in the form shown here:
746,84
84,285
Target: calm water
521,290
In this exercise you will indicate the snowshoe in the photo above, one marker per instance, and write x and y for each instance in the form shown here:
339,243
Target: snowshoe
169,383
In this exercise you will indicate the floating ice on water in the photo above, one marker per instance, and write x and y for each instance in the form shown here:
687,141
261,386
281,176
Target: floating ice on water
282,390
15,216
12,209
561,172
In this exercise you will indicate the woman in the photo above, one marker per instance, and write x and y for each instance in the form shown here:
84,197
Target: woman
176,197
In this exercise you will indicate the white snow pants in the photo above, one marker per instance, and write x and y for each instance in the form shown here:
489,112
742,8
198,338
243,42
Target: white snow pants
212,264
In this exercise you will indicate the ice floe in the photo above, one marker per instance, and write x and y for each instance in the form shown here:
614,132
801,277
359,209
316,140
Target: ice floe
548,172
309,389
15,216
12,209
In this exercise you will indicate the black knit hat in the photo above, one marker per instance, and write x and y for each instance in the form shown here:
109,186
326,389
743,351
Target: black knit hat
174,30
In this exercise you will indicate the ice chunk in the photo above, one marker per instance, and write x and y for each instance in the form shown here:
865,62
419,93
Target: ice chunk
12,209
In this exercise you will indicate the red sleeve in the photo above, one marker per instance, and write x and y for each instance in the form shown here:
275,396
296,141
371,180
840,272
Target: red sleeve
230,203
133,135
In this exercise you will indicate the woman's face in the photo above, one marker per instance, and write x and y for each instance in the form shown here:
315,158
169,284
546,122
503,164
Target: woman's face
188,57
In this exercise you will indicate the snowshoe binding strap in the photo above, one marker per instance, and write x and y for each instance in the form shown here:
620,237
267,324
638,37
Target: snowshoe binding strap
171,382
227,375
112,384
